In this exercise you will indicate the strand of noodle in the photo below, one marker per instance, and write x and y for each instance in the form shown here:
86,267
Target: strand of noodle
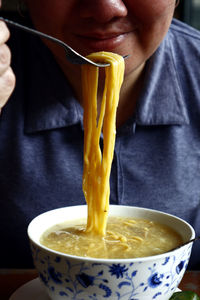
97,166
88,125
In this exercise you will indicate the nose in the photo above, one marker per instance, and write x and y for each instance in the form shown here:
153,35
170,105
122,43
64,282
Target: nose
102,10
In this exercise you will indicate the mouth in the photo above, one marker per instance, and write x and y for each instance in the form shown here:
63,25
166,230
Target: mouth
100,42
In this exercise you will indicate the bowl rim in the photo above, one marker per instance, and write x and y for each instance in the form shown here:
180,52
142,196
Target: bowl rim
114,260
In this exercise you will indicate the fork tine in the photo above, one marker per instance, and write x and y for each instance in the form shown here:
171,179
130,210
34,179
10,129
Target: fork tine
76,58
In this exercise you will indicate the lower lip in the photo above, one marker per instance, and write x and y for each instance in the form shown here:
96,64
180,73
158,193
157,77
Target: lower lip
102,44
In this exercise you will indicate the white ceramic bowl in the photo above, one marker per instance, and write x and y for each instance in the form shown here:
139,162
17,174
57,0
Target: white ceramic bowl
71,277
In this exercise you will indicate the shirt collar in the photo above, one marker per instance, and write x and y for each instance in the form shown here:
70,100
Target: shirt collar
162,101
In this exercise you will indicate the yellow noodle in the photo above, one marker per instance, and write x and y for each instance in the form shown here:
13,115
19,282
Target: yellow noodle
136,238
97,165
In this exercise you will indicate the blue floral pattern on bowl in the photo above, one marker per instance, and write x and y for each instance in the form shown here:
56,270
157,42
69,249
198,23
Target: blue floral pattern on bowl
71,278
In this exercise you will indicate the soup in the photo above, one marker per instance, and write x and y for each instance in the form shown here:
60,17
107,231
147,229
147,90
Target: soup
124,238
100,236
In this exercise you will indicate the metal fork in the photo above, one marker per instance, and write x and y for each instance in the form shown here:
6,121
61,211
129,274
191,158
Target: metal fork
71,55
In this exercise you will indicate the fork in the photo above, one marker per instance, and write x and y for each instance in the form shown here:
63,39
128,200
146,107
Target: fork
71,55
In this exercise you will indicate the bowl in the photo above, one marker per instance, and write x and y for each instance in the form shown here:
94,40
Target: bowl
80,278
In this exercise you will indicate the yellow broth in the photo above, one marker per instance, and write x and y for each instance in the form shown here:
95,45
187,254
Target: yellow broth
125,238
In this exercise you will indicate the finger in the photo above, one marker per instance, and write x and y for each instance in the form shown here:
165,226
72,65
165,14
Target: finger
4,33
5,58
7,84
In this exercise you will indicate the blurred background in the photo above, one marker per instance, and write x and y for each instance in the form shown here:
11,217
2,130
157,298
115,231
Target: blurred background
188,10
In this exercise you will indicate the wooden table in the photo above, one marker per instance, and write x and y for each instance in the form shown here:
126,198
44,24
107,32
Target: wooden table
11,279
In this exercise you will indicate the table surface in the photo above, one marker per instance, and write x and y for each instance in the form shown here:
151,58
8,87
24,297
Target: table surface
11,279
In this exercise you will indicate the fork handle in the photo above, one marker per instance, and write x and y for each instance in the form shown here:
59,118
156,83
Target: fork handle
33,31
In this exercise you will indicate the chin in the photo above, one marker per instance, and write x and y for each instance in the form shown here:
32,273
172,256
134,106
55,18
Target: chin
133,68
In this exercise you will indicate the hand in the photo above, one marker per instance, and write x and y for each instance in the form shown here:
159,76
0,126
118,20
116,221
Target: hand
7,77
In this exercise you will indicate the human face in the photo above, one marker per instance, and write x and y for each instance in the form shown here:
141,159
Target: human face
131,27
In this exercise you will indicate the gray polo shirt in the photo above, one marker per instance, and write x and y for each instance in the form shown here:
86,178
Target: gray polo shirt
157,154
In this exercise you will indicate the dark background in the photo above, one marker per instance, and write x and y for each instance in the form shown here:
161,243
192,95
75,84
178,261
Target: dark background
189,12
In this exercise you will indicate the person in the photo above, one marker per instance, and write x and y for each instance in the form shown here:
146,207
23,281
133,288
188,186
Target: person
157,152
